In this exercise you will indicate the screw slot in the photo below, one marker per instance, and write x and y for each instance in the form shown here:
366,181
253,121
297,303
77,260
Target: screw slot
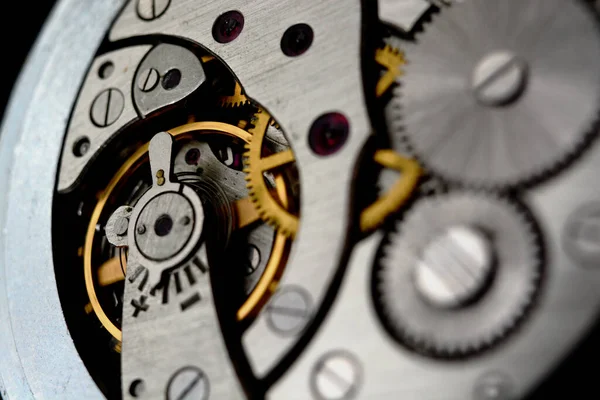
149,10
328,133
228,26
337,375
148,80
81,146
296,40
106,70
171,79
289,310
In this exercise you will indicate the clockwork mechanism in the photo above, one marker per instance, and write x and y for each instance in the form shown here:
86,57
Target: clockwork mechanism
302,200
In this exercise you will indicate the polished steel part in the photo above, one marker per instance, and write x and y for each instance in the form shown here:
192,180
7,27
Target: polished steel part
510,104
97,97
155,89
41,363
160,337
454,267
225,186
492,303
318,89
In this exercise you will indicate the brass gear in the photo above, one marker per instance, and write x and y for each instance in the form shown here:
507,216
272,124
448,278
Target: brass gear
276,214
392,59
237,99
269,209
114,270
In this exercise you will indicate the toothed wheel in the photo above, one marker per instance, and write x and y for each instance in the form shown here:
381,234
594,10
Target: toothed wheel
459,274
269,207
499,94
237,99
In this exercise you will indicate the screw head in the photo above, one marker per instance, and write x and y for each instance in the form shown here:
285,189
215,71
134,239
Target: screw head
188,383
148,80
149,10
228,26
296,40
107,107
328,133
454,267
337,375
499,78
141,229
289,310
494,386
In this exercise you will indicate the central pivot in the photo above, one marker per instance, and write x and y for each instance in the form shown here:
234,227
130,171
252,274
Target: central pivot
455,267
164,226
499,78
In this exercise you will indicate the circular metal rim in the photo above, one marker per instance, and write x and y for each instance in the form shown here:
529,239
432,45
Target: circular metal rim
41,362
281,246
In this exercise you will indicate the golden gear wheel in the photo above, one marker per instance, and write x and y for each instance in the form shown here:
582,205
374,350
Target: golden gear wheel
237,99
269,209
274,213
392,60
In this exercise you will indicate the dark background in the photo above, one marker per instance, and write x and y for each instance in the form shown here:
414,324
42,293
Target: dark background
22,23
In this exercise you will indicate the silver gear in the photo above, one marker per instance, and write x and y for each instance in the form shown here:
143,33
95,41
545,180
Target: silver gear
496,301
500,93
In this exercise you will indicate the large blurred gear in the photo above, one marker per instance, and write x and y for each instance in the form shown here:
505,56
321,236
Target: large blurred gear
459,273
499,94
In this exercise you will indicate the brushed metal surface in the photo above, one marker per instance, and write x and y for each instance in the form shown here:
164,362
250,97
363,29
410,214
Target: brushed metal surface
39,359
81,125
296,91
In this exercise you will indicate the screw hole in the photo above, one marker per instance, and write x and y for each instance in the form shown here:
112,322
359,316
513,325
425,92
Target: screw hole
137,388
192,156
81,146
163,225
328,133
228,26
171,79
106,70
296,40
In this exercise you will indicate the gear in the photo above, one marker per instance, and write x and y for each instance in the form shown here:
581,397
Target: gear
459,273
277,215
237,99
500,94
392,60
270,210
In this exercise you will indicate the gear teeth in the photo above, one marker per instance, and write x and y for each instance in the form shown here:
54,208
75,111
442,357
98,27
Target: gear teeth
522,174
513,221
269,210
